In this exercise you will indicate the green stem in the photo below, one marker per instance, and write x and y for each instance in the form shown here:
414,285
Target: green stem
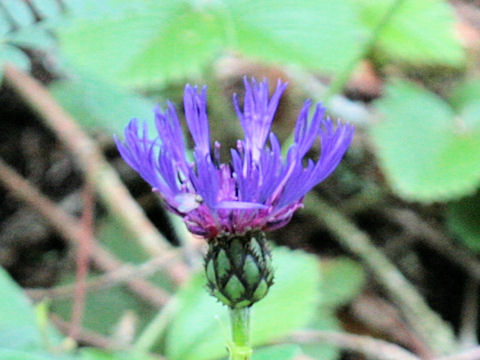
240,346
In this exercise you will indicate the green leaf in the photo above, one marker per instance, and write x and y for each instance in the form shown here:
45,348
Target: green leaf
279,352
97,354
116,238
266,29
20,29
200,329
154,41
105,308
9,354
420,31
465,94
342,280
19,12
123,245
324,319
98,104
47,8
428,154
13,55
32,36
463,220
17,320
465,99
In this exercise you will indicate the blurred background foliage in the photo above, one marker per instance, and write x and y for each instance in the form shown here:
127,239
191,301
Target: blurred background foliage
404,71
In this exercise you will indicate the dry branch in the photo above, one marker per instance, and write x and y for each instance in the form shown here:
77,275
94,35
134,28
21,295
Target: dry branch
72,231
97,170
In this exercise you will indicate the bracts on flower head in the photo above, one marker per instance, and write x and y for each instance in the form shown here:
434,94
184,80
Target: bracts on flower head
239,269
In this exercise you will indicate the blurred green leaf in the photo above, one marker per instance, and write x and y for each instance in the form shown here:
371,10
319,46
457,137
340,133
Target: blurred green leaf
98,104
19,12
200,329
153,41
420,31
117,239
32,36
320,34
17,318
13,55
104,308
342,280
324,319
20,29
465,94
97,354
46,8
9,354
428,154
465,99
463,220
123,245
279,352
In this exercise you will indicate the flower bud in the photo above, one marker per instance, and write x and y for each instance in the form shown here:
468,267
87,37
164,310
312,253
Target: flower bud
239,268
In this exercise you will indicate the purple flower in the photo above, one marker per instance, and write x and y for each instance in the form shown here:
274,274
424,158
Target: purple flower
258,189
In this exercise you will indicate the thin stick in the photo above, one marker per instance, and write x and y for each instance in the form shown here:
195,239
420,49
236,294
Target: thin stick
97,170
380,316
426,323
83,255
368,346
86,336
69,228
121,275
472,354
417,227
467,334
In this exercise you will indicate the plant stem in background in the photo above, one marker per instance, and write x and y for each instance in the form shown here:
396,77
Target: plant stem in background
436,333
240,346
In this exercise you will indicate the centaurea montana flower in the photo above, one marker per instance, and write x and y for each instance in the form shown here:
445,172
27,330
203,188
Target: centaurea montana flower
258,189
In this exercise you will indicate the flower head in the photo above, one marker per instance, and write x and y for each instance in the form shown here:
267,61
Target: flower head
258,189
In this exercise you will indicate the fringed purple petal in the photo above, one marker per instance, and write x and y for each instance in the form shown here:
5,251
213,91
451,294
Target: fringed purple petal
258,113
195,105
258,189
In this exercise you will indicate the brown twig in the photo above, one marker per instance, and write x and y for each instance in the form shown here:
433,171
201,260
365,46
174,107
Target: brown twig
94,338
83,254
72,231
419,228
365,345
86,336
430,327
381,316
121,275
97,170
467,334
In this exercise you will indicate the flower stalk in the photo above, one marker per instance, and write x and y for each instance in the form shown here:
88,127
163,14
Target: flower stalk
240,348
